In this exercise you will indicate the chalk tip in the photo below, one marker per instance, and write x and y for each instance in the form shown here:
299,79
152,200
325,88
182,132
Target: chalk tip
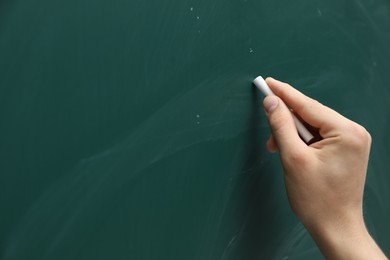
258,78
259,82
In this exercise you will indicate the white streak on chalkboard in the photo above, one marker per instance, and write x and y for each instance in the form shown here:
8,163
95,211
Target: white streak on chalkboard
231,242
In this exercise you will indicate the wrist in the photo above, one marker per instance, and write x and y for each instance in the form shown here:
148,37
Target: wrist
347,238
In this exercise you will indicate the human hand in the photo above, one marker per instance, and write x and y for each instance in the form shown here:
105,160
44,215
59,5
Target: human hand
325,180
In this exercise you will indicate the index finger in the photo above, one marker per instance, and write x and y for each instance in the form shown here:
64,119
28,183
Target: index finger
310,110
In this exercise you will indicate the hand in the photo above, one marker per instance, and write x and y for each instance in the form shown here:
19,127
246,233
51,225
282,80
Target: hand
325,180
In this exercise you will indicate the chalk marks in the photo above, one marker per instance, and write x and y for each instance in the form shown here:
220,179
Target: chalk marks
198,121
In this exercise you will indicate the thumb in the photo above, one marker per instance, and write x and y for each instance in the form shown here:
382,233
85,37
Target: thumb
282,124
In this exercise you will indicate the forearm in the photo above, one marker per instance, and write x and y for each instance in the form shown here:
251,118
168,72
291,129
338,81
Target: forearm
346,240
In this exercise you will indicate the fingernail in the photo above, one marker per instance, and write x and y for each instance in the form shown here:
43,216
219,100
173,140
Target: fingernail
270,103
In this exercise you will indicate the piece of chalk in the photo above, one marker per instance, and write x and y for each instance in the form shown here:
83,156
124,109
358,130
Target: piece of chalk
305,134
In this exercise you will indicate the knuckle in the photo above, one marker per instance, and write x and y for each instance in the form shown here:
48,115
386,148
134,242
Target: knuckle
311,103
316,103
308,106
369,138
358,136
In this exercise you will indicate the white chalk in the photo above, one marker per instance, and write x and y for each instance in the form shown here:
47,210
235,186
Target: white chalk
260,83
262,86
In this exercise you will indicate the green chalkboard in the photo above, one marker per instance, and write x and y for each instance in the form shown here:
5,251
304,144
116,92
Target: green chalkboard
130,129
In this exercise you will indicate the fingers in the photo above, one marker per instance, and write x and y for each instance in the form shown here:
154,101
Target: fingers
271,145
310,110
282,125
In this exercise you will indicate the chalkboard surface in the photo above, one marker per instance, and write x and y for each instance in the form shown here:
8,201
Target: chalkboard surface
130,129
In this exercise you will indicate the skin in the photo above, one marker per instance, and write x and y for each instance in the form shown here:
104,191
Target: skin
325,180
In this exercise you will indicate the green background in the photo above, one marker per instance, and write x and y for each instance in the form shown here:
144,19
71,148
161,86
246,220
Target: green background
129,129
